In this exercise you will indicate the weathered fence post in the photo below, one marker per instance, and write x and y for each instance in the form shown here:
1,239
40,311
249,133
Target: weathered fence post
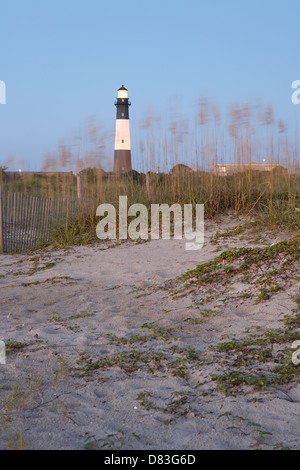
1,220
148,185
79,186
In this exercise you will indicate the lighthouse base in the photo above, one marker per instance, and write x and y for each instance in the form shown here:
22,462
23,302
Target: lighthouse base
122,161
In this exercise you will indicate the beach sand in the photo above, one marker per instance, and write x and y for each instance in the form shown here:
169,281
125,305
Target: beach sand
108,349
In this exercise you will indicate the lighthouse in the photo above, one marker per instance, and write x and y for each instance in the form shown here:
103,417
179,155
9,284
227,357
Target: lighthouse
122,157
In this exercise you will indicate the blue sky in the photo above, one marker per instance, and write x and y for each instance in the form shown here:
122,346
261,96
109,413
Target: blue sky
63,61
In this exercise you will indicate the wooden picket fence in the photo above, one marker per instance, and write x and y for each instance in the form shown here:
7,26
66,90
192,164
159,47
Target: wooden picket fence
26,221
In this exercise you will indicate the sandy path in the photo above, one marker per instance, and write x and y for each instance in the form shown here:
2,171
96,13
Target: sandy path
106,358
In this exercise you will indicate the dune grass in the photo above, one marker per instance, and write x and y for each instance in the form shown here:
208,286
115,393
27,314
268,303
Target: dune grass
176,164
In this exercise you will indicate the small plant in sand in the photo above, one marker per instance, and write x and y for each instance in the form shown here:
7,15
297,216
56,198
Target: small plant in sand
14,403
272,347
62,370
266,270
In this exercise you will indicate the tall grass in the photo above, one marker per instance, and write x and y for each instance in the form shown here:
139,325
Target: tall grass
175,163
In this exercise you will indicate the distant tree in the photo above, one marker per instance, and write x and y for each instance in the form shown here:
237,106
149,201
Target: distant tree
180,168
91,174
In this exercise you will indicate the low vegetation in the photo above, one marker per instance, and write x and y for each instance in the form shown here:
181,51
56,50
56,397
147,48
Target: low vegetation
176,166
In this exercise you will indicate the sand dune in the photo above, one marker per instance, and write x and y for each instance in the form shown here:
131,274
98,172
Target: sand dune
107,350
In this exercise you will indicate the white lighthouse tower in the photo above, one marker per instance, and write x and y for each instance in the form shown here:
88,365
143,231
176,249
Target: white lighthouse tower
122,157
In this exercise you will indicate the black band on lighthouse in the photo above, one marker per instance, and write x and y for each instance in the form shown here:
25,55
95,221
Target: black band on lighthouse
122,111
122,161
122,105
